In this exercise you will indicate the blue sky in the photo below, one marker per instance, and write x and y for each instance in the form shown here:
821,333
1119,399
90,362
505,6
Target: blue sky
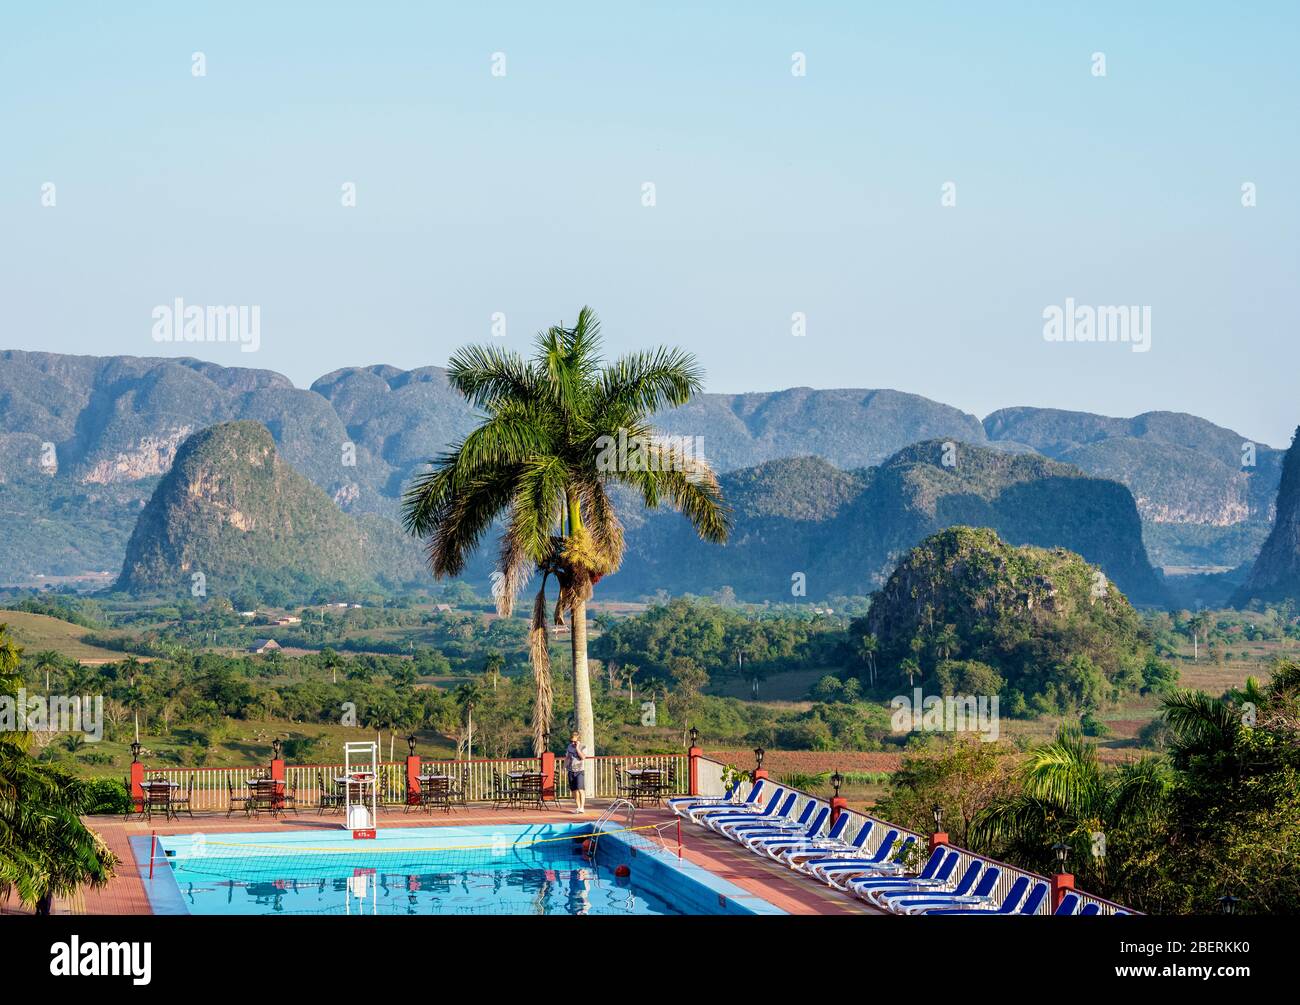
775,194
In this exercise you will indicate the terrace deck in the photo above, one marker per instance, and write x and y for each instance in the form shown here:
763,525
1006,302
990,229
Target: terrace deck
125,894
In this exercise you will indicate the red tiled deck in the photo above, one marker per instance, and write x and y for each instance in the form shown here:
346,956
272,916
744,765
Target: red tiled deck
125,893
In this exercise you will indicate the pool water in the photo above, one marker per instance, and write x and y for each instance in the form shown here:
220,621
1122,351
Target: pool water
419,871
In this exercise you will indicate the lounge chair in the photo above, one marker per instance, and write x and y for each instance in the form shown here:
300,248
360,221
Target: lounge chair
780,848
1069,904
857,865
736,829
1089,910
961,896
736,814
935,875
683,805
812,826
1011,903
826,848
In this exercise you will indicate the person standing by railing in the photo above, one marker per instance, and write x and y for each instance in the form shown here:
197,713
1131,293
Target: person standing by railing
575,759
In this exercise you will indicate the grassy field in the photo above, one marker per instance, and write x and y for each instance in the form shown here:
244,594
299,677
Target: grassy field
35,632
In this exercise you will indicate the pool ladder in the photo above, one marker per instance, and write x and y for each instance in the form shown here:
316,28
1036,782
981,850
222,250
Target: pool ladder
627,806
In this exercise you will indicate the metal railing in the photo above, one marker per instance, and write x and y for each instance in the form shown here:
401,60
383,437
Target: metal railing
307,782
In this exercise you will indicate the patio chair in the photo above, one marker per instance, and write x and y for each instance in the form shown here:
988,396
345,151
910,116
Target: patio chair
650,788
501,793
1069,904
329,798
1090,909
158,797
186,801
529,792
436,792
1010,903
458,792
234,802
289,800
980,894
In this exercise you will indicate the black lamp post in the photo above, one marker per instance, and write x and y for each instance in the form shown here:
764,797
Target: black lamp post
937,812
276,747
135,752
1228,904
695,737
410,744
758,757
1062,853
836,781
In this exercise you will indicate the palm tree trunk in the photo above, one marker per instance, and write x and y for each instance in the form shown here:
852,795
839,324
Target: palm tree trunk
583,719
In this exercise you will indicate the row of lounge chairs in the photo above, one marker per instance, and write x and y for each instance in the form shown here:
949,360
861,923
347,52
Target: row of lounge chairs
881,877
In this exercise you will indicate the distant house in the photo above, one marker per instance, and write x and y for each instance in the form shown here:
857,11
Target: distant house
248,614
445,608
263,646
288,619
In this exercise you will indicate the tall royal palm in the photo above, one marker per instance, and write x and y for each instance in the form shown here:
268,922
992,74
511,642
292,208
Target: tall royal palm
557,432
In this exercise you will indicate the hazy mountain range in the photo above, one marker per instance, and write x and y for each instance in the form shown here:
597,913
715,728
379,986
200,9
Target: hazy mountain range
86,440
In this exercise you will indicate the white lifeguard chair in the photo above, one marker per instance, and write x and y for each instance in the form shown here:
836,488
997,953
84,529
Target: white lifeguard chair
361,786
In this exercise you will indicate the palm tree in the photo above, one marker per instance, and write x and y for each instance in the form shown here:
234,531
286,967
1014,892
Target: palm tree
47,660
560,429
1067,795
45,850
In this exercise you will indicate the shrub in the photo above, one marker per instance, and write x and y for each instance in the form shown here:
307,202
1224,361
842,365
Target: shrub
107,796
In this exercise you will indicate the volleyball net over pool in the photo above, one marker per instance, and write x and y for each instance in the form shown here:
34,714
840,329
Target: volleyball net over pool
400,852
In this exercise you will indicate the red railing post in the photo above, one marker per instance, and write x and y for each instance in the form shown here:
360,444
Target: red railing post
693,759
137,790
548,774
413,779
1062,883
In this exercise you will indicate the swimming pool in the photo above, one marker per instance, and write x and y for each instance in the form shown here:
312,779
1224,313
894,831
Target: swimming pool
537,869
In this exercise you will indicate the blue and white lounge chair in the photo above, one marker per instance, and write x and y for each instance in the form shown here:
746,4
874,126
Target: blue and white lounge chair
731,827
936,875
1089,910
1010,903
849,868
813,822
749,811
820,850
683,805
811,842
1069,904
963,895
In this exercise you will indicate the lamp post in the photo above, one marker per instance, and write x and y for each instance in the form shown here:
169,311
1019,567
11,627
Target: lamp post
1228,904
135,752
759,754
277,764
137,775
1062,882
695,737
410,745
276,746
693,755
838,803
